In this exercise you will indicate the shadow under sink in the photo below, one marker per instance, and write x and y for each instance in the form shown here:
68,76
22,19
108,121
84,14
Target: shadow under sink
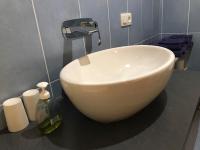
80,133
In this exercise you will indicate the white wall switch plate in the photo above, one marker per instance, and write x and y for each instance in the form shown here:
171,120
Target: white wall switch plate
126,19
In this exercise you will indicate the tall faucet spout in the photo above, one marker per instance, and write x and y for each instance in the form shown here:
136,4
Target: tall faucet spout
88,44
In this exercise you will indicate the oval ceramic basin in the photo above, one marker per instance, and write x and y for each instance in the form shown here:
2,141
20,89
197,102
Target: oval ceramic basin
113,84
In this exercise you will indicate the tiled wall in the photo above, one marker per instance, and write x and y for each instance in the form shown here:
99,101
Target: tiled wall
32,47
182,17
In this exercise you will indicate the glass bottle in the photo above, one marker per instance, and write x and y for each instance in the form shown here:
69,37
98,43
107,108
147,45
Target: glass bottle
47,121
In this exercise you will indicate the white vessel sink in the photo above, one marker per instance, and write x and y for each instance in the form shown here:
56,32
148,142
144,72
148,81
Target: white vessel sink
113,84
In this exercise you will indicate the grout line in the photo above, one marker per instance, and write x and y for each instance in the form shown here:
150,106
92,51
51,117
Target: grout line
128,26
54,81
42,46
162,17
181,33
80,15
110,34
79,8
151,37
194,32
171,33
188,23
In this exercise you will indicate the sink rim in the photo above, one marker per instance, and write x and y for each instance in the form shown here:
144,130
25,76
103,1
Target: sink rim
147,74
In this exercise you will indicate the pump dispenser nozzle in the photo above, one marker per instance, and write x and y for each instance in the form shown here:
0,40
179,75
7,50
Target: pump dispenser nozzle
44,94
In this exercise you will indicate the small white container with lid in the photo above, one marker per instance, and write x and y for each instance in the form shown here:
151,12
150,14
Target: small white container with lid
31,98
15,114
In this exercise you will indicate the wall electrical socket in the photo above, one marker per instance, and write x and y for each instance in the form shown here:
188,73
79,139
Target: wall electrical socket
126,19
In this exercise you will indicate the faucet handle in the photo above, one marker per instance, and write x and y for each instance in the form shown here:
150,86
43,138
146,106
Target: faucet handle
97,27
99,42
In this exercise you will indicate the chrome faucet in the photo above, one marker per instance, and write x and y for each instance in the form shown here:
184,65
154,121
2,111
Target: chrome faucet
78,28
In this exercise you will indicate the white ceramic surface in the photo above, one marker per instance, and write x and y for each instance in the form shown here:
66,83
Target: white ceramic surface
30,99
114,84
15,114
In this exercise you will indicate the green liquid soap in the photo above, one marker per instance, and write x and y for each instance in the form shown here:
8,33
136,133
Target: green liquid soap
47,122
50,124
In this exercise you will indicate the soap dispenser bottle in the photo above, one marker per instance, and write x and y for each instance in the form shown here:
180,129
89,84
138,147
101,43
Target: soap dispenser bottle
47,123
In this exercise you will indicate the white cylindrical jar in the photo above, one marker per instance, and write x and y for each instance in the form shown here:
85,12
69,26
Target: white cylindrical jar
15,114
31,98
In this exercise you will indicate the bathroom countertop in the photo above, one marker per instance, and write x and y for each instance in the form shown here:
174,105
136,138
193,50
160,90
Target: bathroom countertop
163,125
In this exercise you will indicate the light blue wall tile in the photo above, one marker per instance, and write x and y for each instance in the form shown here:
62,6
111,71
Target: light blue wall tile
175,16
57,89
98,11
194,62
194,16
156,16
21,60
51,15
147,18
135,30
119,35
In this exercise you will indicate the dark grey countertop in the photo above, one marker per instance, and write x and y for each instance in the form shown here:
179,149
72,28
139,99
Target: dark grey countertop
163,125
